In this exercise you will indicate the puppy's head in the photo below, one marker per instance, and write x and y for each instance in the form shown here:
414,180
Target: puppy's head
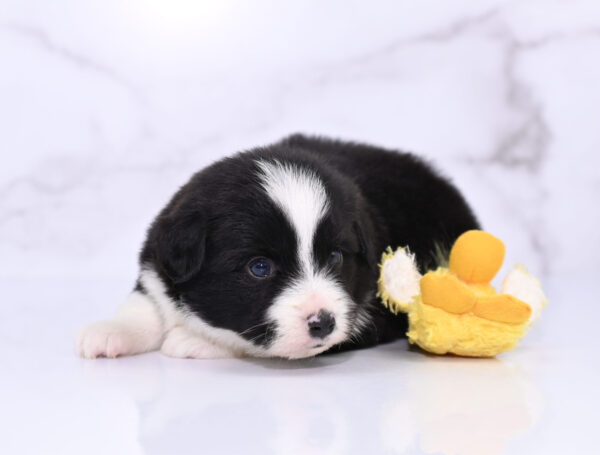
271,250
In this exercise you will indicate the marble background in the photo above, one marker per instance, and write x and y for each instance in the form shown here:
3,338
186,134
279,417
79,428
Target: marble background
107,107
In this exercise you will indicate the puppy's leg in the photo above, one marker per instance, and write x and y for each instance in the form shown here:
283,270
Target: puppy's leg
137,327
182,343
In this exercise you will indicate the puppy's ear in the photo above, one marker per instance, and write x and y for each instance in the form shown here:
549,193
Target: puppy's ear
180,244
366,251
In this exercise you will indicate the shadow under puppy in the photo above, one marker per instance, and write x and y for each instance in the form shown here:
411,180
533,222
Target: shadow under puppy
274,252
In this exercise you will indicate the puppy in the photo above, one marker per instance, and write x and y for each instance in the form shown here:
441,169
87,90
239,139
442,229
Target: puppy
274,252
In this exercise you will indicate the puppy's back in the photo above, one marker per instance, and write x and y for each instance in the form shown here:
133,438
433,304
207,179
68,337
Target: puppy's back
413,204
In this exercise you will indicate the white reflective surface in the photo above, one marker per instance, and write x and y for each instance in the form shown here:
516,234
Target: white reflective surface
540,398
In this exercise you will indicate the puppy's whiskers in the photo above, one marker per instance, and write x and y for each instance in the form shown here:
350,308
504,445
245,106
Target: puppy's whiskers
254,327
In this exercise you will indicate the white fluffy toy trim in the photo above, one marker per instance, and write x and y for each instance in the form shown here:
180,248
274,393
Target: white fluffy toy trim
399,279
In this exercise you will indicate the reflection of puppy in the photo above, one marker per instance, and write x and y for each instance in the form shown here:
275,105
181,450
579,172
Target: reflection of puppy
274,252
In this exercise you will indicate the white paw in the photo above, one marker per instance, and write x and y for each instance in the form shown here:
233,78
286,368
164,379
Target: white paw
524,286
183,344
107,339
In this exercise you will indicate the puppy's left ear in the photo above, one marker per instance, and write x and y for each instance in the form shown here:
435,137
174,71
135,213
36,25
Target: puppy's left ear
362,230
180,244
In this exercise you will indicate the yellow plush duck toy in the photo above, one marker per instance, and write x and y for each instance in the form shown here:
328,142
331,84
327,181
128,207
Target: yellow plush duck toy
455,309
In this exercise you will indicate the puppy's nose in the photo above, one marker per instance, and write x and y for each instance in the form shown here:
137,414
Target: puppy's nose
321,324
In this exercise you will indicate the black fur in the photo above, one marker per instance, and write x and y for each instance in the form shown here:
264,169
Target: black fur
201,242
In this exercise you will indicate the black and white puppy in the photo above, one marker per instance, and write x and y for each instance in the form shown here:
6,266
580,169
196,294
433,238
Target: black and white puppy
274,252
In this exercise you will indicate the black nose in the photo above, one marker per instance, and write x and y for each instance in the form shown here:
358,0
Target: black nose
320,325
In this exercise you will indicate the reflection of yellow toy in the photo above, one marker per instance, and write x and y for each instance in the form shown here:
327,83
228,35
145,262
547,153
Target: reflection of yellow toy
455,309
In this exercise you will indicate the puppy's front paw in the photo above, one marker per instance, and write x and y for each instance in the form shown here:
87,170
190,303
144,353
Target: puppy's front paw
107,339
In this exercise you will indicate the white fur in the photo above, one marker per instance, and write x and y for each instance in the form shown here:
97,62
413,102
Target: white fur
302,197
182,343
524,286
292,309
362,318
137,327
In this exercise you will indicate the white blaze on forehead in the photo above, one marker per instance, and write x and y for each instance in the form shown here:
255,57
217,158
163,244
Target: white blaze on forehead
302,197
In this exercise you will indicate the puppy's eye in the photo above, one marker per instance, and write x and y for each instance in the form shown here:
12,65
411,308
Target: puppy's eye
335,258
260,267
